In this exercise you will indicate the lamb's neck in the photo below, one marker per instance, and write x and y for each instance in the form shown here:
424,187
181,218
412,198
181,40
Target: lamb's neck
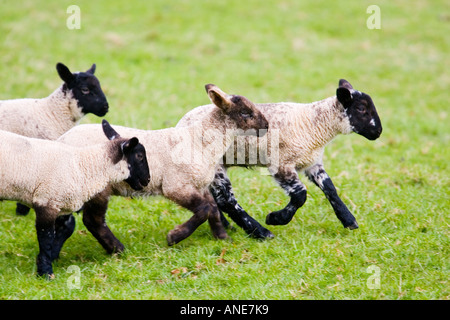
215,134
322,121
63,109
98,168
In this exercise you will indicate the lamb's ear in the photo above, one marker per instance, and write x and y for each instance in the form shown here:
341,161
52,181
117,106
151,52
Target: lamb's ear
345,84
91,69
64,73
129,145
110,133
218,97
344,92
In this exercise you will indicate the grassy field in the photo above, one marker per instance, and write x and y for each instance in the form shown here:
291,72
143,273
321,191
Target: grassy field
153,59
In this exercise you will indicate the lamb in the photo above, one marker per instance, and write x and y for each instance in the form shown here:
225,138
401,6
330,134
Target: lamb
57,179
182,165
50,117
303,131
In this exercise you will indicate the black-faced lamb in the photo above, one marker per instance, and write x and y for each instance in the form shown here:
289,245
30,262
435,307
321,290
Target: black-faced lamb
182,164
302,132
56,179
50,117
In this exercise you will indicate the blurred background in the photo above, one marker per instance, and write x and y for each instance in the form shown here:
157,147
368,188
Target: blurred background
154,58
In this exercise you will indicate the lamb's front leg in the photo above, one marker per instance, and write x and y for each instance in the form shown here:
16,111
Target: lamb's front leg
287,178
94,212
204,208
45,229
223,194
64,226
320,178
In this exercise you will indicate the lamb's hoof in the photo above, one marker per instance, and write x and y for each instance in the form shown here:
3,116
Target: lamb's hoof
221,236
174,236
170,239
227,238
262,234
278,218
117,248
351,226
46,276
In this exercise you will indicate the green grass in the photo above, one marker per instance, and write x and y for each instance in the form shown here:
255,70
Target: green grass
153,59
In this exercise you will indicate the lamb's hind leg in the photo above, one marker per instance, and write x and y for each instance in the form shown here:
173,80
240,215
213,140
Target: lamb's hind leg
94,212
223,194
318,175
64,226
288,179
204,208
45,229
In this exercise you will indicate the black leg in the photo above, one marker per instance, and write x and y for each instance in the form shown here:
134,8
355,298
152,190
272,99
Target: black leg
204,208
22,210
45,229
225,222
288,179
64,226
320,178
222,192
94,218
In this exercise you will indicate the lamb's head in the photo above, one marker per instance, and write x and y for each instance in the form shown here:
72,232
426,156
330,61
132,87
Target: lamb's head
360,110
133,153
85,88
240,110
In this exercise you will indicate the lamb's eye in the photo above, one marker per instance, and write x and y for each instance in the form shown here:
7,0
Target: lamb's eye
361,108
246,115
84,90
139,156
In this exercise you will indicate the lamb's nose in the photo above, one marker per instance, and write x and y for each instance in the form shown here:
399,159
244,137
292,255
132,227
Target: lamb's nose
379,130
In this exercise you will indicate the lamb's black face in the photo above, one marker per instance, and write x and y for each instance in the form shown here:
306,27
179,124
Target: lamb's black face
241,110
247,116
86,90
360,110
89,94
137,163
135,155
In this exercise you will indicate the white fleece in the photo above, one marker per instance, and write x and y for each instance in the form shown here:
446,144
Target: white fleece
53,174
46,118
180,159
303,130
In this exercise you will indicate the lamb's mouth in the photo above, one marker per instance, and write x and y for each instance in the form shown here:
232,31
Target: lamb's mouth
144,184
141,184
136,185
103,111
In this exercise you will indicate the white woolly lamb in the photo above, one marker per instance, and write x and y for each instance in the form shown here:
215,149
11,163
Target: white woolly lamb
50,117
57,179
303,131
182,164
